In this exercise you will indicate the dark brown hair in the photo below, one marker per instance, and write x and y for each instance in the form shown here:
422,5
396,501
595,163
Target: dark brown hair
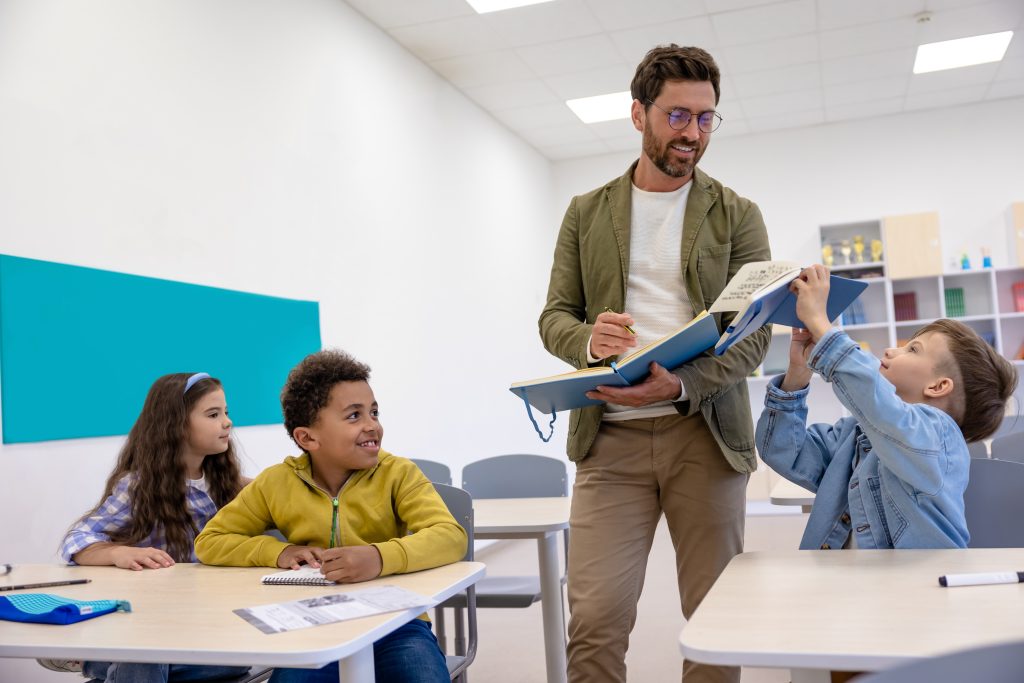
672,63
983,381
309,384
154,455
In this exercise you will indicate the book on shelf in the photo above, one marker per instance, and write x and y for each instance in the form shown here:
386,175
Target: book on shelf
905,305
955,302
303,576
758,292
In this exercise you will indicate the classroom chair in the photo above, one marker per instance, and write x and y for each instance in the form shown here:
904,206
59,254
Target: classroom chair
994,504
1009,447
437,472
460,504
1003,663
977,449
509,476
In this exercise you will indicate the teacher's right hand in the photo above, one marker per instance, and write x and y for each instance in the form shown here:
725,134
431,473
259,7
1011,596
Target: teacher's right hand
610,336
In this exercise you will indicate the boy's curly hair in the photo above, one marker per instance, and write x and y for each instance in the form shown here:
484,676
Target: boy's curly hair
308,387
983,380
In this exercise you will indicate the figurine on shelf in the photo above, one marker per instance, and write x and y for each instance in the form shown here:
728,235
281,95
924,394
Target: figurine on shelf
876,250
858,248
826,255
986,257
965,263
844,249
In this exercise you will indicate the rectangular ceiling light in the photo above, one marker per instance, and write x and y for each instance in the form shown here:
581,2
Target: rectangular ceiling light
485,6
953,54
608,107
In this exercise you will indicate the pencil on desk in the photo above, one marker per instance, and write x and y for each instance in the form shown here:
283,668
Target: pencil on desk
45,584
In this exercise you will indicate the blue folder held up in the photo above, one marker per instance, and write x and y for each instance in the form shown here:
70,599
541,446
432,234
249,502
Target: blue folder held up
778,305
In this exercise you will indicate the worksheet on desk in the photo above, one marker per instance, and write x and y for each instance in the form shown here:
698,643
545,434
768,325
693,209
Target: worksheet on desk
332,607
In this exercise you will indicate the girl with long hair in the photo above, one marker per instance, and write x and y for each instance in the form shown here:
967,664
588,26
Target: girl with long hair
176,469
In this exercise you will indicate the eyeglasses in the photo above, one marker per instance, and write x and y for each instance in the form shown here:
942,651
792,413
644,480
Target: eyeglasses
678,119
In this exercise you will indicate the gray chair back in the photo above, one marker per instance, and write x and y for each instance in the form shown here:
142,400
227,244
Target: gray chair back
977,449
1009,446
516,476
460,504
1011,424
437,472
1003,663
995,505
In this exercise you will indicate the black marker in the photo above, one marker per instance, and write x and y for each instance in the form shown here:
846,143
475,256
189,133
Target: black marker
980,579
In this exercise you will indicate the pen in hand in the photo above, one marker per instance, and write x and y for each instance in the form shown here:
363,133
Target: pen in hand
627,327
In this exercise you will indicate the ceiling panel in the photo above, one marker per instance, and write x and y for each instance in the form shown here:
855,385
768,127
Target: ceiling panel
616,14
777,20
571,55
784,63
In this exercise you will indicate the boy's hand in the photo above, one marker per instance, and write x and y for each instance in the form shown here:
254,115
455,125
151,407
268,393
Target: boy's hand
294,556
136,559
610,336
798,375
811,289
352,563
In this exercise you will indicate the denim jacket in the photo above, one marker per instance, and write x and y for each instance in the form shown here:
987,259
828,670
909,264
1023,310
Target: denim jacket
894,473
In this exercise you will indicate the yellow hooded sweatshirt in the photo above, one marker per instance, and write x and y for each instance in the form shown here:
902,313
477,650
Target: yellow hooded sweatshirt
392,506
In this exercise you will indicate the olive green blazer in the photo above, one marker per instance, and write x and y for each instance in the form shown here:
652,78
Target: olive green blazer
721,232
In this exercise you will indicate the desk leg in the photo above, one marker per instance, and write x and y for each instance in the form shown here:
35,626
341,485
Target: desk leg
810,676
551,606
357,667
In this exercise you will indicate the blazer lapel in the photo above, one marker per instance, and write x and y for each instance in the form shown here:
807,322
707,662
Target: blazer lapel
620,201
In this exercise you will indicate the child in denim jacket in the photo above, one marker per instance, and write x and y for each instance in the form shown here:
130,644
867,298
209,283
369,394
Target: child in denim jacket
893,475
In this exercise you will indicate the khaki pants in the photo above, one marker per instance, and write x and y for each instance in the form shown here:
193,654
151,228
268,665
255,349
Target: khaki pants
635,471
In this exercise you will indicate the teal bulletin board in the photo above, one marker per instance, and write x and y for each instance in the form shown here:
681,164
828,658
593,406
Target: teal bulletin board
80,347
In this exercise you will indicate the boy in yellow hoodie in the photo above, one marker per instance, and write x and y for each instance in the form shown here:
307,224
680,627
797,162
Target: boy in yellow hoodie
344,505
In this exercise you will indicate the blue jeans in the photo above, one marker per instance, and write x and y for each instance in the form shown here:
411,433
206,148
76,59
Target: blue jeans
408,655
127,672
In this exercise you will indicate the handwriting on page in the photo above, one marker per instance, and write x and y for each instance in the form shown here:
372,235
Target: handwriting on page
748,280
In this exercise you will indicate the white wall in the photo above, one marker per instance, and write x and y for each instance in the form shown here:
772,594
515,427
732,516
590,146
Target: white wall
965,162
283,148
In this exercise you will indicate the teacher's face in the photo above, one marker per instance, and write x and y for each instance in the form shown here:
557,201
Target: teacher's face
673,152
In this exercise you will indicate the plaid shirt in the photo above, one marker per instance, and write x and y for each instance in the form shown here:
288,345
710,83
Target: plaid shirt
115,514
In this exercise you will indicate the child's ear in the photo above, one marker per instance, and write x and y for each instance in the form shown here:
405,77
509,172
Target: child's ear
942,386
306,439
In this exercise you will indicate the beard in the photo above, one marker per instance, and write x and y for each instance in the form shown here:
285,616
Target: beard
660,155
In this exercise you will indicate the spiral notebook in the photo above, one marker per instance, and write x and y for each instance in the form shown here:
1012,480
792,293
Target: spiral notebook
303,576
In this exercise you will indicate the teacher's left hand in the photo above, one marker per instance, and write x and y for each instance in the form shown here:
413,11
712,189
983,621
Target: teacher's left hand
660,385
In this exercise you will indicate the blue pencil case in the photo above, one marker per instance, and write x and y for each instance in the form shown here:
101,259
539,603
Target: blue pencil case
44,608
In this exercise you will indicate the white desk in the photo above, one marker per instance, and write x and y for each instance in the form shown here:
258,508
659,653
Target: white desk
182,615
785,492
851,610
543,519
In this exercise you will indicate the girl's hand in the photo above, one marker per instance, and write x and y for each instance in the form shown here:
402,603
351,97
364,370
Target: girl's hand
798,375
137,559
352,563
294,556
811,289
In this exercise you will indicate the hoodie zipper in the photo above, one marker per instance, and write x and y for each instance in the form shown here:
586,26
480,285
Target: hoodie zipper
334,521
